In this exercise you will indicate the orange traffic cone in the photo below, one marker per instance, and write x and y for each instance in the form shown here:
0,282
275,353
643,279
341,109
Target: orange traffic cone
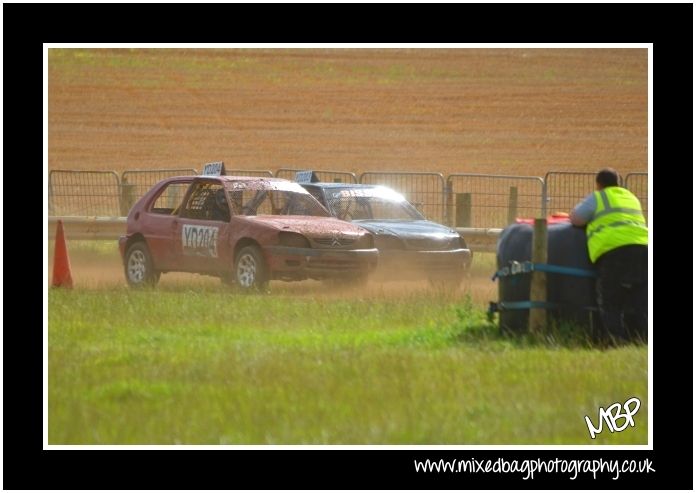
61,263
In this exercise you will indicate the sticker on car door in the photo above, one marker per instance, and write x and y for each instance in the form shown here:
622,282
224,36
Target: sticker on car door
199,241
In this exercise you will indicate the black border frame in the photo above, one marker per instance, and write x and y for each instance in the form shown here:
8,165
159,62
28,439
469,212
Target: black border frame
26,27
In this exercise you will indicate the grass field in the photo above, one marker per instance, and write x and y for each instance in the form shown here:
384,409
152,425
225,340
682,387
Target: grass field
205,366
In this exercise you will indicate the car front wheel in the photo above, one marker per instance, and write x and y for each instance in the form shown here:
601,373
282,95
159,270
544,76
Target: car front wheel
250,272
139,268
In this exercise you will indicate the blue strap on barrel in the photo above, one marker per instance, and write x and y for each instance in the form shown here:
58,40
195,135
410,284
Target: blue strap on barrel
526,267
523,305
560,269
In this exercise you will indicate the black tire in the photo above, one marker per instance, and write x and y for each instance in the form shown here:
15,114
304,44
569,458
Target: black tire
250,270
138,267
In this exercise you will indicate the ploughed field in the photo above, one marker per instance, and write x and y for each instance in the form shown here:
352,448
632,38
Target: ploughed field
502,111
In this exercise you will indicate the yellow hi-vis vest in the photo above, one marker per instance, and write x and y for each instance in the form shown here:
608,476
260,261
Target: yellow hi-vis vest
618,221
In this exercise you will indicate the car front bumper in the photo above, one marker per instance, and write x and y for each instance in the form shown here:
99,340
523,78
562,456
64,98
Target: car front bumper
317,263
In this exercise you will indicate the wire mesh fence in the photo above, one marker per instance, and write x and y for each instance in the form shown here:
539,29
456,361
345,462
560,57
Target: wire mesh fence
564,189
424,190
135,183
492,201
263,173
638,184
83,193
323,175
463,199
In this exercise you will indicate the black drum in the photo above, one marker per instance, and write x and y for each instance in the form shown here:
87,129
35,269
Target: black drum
567,246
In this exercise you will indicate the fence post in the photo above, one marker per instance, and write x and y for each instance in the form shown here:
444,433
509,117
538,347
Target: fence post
512,205
51,207
537,291
127,196
449,219
463,210
544,198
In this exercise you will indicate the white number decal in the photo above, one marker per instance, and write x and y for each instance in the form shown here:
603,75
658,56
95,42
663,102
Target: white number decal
199,240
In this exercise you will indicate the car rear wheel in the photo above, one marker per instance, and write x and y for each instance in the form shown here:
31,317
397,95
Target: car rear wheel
250,271
138,266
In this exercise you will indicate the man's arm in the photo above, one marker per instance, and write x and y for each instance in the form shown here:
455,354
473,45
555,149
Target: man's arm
584,211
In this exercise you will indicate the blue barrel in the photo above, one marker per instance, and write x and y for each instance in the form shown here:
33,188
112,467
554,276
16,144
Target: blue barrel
567,246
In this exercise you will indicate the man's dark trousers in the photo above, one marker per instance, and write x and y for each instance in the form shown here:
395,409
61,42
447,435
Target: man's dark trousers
622,292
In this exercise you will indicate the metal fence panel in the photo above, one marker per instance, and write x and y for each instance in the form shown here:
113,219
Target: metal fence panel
564,189
83,193
136,183
638,184
324,175
466,200
423,190
262,173
492,201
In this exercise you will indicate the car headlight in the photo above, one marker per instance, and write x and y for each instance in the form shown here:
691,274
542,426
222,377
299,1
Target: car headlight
364,242
289,239
456,243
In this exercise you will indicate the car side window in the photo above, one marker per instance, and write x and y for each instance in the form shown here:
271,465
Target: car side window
317,194
169,198
207,201
363,209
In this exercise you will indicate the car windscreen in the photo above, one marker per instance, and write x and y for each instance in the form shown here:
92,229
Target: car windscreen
255,200
379,203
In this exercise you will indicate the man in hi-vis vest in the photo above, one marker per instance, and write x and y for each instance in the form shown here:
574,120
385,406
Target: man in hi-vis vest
617,240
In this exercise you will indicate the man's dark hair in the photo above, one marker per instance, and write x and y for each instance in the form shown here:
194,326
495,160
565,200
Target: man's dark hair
608,177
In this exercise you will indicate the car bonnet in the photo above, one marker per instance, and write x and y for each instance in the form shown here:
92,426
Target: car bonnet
311,225
408,229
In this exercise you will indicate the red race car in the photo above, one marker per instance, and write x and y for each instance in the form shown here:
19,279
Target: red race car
244,230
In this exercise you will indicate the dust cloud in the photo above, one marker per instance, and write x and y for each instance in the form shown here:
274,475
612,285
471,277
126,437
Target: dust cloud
100,267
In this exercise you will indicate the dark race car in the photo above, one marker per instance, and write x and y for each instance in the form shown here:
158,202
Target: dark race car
245,230
409,245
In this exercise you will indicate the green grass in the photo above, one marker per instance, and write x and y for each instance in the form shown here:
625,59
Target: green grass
205,366
483,264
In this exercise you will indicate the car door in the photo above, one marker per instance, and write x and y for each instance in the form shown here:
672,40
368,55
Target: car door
202,229
161,222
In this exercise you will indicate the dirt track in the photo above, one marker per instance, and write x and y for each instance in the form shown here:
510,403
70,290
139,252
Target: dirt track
103,270
493,111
